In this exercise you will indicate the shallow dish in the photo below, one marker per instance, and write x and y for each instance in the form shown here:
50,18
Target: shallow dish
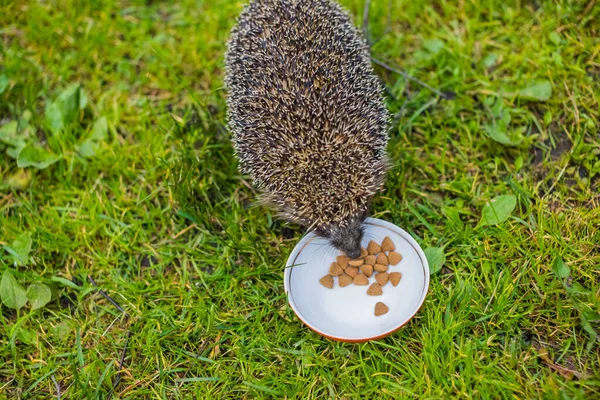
347,313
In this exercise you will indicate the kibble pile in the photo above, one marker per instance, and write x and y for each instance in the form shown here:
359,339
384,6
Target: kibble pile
373,262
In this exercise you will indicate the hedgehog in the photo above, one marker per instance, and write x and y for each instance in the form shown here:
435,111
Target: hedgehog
307,115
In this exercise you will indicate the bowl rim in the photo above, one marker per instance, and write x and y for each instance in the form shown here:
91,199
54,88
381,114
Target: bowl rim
306,239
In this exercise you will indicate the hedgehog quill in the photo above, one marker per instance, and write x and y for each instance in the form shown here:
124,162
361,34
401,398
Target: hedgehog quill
307,115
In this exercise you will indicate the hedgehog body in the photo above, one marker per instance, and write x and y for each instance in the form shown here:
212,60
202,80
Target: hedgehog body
307,115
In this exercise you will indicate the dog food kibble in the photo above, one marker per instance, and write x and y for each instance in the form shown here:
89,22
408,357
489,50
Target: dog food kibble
387,244
381,309
370,259
343,261
367,270
373,248
394,258
382,278
382,259
335,269
395,278
381,268
374,261
356,263
374,290
351,271
361,280
327,281
344,280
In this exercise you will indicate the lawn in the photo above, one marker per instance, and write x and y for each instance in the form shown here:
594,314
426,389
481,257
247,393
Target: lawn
118,182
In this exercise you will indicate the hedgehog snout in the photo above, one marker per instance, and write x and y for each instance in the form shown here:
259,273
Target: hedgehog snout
347,237
347,240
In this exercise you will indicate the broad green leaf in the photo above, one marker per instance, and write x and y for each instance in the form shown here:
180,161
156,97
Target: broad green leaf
435,258
538,91
434,46
27,336
37,157
99,133
21,247
65,108
12,293
88,148
54,117
490,60
82,99
577,288
20,180
39,295
500,134
100,129
69,101
498,210
8,135
555,38
3,83
560,269
13,152
61,330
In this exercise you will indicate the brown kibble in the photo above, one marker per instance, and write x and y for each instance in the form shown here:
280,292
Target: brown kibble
382,278
344,280
367,270
374,290
382,259
327,281
381,268
394,258
387,244
370,259
361,280
335,269
381,309
395,278
343,261
351,271
363,253
356,263
373,248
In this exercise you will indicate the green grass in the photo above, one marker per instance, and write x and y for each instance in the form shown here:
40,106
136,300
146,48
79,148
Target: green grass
164,223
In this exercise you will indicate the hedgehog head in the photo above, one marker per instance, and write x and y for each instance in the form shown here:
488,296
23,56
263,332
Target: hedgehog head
345,236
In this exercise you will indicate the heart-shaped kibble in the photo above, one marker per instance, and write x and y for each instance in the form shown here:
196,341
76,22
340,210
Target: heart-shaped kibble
367,270
382,278
335,269
374,290
373,248
370,259
363,252
356,263
344,280
380,309
395,278
394,258
387,244
327,281
351,271
381,268
343,261
361,280
382,259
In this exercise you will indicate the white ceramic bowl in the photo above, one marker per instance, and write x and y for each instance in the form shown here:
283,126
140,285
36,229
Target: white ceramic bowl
347,313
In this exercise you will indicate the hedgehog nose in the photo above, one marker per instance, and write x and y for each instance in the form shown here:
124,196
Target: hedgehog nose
353,253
